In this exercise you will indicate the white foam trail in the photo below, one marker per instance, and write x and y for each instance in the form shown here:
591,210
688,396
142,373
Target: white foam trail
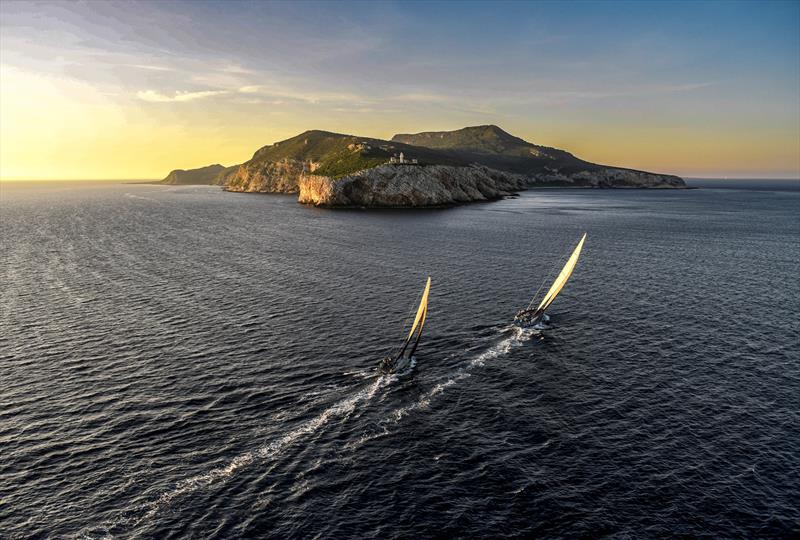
501,348
341,409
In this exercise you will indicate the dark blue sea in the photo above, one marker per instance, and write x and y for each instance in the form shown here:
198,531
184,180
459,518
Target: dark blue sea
182,362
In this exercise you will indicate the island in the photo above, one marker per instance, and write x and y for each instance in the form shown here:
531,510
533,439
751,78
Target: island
479,163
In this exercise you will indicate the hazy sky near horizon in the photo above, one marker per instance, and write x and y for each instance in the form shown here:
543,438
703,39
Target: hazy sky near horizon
92,90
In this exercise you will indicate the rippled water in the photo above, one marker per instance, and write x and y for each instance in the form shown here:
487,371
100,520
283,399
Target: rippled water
184,362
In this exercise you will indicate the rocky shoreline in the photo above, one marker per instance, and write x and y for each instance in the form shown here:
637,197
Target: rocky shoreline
481,163
409,186
414,186
609,177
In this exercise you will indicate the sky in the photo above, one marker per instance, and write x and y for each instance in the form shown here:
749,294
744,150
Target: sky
132,90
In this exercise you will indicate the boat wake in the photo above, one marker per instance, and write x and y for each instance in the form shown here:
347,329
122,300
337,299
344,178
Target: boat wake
406,371
341,409
526,334
501,348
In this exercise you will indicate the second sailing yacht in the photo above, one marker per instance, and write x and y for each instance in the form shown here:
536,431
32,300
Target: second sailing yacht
530,317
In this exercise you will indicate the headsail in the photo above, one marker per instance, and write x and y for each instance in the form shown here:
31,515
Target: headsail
419,321
562,278
423,307
421,324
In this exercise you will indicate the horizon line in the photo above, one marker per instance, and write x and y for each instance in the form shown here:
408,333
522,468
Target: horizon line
151,180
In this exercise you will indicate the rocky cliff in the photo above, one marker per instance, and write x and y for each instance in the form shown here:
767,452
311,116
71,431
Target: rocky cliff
606,177
268,176
409,186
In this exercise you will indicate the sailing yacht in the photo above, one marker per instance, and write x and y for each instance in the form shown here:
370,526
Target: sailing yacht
404,360
536,318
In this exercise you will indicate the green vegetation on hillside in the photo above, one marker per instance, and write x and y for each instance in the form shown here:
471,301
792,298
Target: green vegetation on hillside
340,155
491,146
336,155
348,161
308,146
485,139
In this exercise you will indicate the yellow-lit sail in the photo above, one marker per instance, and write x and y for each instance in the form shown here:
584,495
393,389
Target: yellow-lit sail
422,311
562,278
422,320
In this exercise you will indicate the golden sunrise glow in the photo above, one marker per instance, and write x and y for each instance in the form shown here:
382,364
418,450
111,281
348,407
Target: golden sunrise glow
62,129
76,104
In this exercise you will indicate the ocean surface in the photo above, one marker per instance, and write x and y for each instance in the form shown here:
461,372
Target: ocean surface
181,362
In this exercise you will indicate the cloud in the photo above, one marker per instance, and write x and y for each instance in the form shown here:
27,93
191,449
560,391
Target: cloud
151,67
238,69
366,110
275,95
252,89
315,98
157,97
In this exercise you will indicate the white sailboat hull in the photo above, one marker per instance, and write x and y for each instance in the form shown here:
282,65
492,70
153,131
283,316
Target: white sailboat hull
402,366
539,324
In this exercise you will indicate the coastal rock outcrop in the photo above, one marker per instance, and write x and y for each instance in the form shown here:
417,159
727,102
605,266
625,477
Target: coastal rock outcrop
268,176
407,186
609,177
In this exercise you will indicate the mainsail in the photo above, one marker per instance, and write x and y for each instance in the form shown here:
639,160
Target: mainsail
423,308
419,321
562,278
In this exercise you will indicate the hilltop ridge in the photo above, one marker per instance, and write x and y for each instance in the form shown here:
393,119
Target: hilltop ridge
492,146
487,138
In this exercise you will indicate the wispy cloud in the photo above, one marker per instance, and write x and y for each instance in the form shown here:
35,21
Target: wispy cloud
151,67
157,97
366,110
285,92
259,93
236,68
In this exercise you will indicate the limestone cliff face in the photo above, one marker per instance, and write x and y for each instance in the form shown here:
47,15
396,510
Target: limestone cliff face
222,178
407,186
609,177
410,186
269,177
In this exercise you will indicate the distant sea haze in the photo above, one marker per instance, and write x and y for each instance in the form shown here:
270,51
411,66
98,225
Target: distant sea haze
185,362
786,184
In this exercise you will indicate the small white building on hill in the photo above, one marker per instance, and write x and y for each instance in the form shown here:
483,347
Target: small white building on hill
401,159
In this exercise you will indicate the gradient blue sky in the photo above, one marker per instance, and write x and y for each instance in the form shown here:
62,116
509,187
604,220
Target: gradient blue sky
134,89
